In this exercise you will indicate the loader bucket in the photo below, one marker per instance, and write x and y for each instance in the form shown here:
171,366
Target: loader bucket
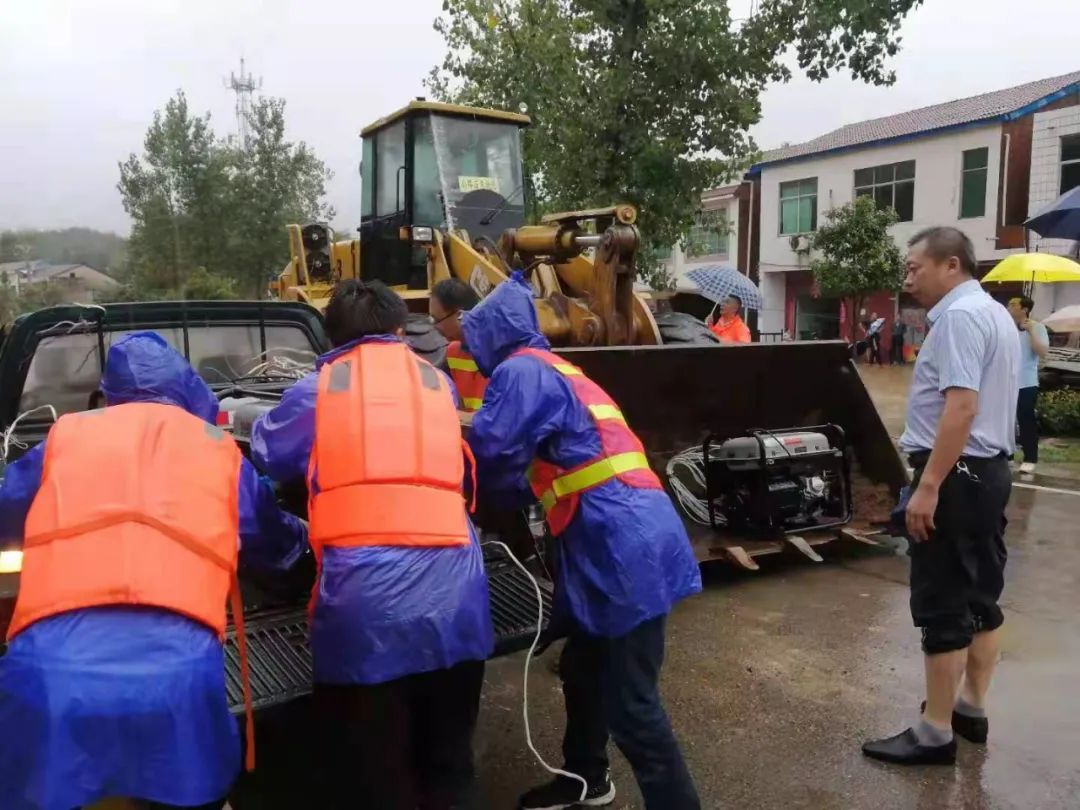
675,396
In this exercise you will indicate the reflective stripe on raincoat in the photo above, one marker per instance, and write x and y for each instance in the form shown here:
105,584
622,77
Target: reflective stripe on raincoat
624,557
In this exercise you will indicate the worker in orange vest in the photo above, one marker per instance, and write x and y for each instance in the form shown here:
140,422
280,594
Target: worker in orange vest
623,557
450,298
400,620
730,327
130,518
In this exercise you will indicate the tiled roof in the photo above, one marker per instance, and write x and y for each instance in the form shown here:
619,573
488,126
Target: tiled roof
36,271
989,106
722,191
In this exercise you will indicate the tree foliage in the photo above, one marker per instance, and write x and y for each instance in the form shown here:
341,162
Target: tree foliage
27,299
102,251
198,201
649,101
858,254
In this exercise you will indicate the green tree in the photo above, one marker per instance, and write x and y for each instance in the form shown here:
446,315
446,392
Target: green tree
27,299
14,247
200,201
277,182
177,194
649,101
100,250
201,285
858,255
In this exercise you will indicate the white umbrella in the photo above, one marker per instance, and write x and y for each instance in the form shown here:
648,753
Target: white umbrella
1066,319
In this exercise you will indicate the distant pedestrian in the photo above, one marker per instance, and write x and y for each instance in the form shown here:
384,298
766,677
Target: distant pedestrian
896,348
960,432
873,335
1034,343
871,328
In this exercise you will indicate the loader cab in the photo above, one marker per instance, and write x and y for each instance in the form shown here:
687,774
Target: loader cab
439,166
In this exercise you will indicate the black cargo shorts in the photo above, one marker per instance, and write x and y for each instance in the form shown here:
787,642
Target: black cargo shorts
957,575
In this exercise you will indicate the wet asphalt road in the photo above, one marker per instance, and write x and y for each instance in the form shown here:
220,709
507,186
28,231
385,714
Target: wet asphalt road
774,679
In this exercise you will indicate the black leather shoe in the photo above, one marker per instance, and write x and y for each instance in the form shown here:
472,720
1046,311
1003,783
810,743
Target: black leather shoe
972,729
905,749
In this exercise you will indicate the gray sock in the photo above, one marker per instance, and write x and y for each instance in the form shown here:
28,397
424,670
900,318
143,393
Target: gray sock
930,734
966,709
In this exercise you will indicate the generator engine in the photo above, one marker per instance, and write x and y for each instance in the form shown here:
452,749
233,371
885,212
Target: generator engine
778,481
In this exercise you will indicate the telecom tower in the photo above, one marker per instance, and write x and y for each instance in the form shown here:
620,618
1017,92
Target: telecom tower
244,86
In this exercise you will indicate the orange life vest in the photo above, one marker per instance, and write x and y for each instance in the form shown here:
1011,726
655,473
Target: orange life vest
468,380
622,456
386,468
161,529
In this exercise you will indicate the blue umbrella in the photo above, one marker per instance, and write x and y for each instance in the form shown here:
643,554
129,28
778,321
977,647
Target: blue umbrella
1060,219
716,282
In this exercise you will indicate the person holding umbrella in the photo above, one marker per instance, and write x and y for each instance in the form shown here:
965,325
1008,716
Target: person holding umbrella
732,292
1034,343
730,327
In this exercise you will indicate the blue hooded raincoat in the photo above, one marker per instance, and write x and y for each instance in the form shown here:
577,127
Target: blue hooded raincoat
625,557
381,612
121,701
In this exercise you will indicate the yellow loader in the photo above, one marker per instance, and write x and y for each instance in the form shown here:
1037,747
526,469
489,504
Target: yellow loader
765,447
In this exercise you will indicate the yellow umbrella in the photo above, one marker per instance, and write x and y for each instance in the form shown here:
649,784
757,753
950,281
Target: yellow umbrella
1043,268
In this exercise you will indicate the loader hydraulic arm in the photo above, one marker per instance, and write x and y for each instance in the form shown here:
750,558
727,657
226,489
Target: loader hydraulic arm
582,300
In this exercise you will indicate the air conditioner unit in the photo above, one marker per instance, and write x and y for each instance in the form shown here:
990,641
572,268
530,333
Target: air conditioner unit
800,244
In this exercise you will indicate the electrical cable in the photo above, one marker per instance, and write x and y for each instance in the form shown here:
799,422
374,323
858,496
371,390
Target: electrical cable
528,662
9,433
692,461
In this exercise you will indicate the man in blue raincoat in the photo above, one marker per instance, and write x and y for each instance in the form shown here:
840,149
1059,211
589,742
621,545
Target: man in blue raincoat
623,554
125,700
400,628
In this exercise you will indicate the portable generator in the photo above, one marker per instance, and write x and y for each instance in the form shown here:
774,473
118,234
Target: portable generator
778,481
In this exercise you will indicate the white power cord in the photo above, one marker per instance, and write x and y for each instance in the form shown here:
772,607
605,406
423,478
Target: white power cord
692,461
9,433
528,662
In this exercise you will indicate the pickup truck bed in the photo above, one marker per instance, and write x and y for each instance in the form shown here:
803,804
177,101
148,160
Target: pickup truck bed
281,659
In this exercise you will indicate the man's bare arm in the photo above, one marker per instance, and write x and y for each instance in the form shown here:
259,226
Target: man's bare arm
1038,345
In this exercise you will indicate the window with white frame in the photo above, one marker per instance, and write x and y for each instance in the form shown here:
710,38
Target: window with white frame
891,185
709,235
973,182
1070,162
798,206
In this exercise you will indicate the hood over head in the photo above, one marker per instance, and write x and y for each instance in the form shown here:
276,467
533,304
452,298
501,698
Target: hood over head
142,367
501,324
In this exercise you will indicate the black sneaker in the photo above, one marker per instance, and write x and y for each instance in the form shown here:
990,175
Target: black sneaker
563,792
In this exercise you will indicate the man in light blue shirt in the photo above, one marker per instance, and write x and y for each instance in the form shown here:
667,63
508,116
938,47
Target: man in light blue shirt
1034,342
960,432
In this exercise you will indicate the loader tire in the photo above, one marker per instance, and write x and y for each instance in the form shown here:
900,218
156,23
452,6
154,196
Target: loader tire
425,340
680,328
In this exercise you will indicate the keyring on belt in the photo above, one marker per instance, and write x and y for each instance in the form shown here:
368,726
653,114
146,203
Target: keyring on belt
962,467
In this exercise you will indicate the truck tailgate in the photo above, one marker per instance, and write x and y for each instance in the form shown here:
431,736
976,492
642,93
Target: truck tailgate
281,659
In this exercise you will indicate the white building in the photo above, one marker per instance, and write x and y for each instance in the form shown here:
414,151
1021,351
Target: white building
967,163
715,239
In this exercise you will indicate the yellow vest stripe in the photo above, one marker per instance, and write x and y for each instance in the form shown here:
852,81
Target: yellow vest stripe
607,412
461,364
471,403
593,475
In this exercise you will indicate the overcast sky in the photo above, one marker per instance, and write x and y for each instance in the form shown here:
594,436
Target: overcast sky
80,80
